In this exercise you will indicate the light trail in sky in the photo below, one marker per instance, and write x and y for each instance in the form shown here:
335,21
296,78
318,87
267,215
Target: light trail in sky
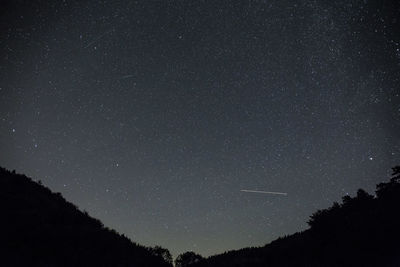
263,192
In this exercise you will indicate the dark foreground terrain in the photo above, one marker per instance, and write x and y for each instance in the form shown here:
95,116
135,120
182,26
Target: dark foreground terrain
362,231
40,228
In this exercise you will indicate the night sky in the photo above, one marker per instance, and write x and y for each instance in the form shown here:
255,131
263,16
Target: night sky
153,115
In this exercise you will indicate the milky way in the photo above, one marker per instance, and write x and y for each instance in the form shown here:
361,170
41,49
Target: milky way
153,115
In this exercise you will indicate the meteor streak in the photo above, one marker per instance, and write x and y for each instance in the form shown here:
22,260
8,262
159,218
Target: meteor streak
263,192
126,77
98,38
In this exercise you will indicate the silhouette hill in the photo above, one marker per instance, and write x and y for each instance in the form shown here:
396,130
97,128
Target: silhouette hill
40,228
361,231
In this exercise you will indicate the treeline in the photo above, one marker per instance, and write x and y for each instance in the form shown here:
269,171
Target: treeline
361,231
40,228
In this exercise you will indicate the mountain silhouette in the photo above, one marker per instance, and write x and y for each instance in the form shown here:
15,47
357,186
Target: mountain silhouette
40,228
361,231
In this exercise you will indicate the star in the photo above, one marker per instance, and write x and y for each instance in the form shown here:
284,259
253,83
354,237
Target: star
209,98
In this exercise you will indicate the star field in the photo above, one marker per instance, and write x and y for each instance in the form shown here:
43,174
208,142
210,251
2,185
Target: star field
153,115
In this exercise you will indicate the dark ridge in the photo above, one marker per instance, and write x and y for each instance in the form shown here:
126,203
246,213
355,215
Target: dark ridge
361,231
40,228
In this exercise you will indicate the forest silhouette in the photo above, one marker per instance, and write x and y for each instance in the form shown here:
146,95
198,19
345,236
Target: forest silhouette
40,228
361,231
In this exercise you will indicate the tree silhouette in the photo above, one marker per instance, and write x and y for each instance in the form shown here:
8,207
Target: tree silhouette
187,259
163,253
361,231
389,189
